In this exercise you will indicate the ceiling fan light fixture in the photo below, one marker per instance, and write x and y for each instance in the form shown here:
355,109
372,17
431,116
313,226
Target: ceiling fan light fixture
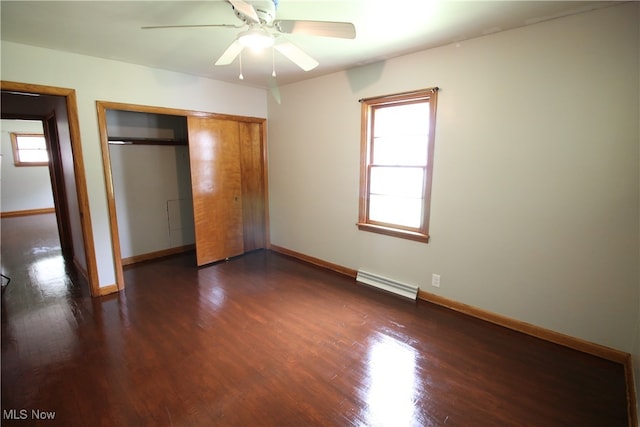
256,39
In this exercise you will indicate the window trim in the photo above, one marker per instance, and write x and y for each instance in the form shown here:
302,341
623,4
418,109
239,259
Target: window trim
420,234
16,154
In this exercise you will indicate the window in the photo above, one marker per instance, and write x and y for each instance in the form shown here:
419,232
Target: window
397,163
29,149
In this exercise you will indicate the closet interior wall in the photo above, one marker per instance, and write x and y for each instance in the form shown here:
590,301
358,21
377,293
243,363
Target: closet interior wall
152,184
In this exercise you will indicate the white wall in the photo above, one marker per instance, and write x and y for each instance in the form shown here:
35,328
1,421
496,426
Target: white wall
535,206
25,187
99,79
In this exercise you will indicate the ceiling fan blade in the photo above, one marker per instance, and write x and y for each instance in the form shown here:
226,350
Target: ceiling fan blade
343,30
296,55
230,54
245,9
156,27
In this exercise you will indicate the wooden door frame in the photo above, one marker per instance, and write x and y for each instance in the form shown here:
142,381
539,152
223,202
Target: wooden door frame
78,169
50,127
102,107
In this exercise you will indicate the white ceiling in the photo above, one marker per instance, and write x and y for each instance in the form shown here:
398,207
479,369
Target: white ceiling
385,29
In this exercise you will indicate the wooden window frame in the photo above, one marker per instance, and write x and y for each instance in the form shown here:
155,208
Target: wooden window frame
368,106
16,150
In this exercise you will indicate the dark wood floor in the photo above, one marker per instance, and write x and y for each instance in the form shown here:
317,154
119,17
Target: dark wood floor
264,340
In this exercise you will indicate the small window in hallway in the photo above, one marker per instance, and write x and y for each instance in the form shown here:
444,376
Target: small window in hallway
29,149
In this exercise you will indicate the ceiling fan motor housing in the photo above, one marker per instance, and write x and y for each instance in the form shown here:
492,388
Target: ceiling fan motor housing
265,9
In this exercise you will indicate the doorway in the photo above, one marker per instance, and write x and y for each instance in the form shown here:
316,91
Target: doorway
57,109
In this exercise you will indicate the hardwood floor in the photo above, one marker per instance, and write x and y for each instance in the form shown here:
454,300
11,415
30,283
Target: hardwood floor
267,340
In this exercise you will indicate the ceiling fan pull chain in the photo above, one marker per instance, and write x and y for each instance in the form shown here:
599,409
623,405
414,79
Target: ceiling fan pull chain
241,77
273,61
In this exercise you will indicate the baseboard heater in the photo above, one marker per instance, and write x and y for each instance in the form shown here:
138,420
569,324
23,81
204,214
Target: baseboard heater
389,285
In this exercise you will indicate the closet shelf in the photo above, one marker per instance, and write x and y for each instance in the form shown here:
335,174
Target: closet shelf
123,140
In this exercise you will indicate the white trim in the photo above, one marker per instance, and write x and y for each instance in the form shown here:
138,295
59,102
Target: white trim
390,285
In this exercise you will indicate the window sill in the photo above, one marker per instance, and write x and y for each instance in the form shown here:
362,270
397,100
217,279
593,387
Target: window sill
23,164
394,232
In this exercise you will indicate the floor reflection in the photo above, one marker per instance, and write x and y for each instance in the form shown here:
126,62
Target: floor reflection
391,393
40,308
212,297
50,275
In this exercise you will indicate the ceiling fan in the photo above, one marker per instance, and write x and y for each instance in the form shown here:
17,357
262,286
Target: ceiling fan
264,31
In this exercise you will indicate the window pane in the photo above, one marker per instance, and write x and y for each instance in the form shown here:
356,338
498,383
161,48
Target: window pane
397,181
401,134
407,119
33,156
31,143
410,150
396,210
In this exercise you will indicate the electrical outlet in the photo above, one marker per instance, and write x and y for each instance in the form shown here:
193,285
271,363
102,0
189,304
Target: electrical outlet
435,280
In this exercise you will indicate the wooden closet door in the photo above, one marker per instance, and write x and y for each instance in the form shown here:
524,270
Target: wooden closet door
253,185
214,155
